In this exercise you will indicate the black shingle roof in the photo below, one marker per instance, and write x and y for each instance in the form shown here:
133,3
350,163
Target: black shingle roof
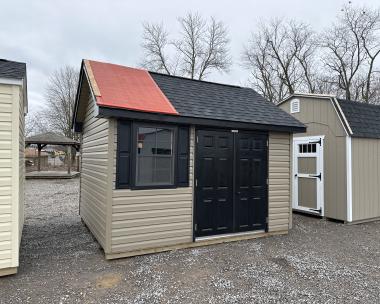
364,119
202,99
12,69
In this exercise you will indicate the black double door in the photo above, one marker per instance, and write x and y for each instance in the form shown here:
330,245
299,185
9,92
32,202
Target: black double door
231,182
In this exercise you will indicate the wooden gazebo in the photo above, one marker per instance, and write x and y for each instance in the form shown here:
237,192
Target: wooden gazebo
50,138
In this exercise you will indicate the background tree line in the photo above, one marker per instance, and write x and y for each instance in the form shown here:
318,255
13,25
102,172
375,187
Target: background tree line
282,56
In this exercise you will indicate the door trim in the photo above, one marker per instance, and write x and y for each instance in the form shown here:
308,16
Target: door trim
349,177
320,165
195,185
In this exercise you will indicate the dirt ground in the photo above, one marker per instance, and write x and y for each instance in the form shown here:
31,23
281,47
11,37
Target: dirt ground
318,262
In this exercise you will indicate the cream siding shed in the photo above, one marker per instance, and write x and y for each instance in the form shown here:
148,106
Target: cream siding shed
136,220
351,153
13,105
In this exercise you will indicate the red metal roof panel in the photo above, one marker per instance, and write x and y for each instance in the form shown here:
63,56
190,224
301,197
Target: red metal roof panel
128,88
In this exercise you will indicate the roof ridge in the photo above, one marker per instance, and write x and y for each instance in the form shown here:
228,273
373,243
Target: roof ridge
11,61
198,80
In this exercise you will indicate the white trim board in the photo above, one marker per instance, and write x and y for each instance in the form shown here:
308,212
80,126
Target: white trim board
349,177
11,81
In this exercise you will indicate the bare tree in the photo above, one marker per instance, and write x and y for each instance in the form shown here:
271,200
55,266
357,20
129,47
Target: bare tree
352,47
280,57
202,47
155,43
35,123
60,100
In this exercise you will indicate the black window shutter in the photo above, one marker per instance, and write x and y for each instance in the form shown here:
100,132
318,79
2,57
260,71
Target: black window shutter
183,151
123,160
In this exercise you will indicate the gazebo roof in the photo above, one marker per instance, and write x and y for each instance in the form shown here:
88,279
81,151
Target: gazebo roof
50,138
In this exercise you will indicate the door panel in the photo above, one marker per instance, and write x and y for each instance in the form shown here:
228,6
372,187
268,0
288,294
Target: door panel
307,192
214,196
231,173
307,165
251,177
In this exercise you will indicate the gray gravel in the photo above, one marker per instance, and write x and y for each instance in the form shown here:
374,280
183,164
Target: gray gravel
318,262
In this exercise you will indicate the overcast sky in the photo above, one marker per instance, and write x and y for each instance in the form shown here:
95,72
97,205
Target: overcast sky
50,34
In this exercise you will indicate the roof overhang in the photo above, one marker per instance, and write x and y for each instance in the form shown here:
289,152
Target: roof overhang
106,112
299,94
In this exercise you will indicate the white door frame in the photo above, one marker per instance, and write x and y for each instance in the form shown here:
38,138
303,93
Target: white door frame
319,166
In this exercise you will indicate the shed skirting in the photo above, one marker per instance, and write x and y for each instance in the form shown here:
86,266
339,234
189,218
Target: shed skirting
198,243
8,271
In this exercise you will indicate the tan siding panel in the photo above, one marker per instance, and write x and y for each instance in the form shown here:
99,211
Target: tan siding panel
279,182
94,177
365,178
116,225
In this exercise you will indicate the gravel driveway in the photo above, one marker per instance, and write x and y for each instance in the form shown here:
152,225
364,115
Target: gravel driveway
318,262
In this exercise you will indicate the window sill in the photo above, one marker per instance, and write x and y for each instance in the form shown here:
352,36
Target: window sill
150,187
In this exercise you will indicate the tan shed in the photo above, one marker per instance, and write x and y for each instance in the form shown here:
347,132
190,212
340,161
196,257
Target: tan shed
13,107
336,163
169,162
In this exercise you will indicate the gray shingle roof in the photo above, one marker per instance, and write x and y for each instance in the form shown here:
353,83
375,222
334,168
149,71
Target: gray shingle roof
51,139
202,99
12,69
364,119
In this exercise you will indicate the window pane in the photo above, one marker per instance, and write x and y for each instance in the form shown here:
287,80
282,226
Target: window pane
155,160
146,141
163,170
144,172
164,142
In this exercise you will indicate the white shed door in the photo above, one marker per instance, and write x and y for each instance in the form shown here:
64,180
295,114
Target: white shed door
308,174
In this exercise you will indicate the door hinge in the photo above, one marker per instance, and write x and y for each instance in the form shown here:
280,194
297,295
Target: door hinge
317,210
197,139
195,227
267,181
316,142
267,143
267,220
196,182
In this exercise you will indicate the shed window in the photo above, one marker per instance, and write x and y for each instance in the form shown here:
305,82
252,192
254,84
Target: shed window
154,156
307,148
151,156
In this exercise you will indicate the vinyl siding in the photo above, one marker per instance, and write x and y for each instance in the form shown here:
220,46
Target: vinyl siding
365,178
11,174
143,219
94,176
321,118
279,182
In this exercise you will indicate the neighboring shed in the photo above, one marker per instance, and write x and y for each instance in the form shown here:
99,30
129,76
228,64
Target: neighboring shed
13,108
170,162
336,163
